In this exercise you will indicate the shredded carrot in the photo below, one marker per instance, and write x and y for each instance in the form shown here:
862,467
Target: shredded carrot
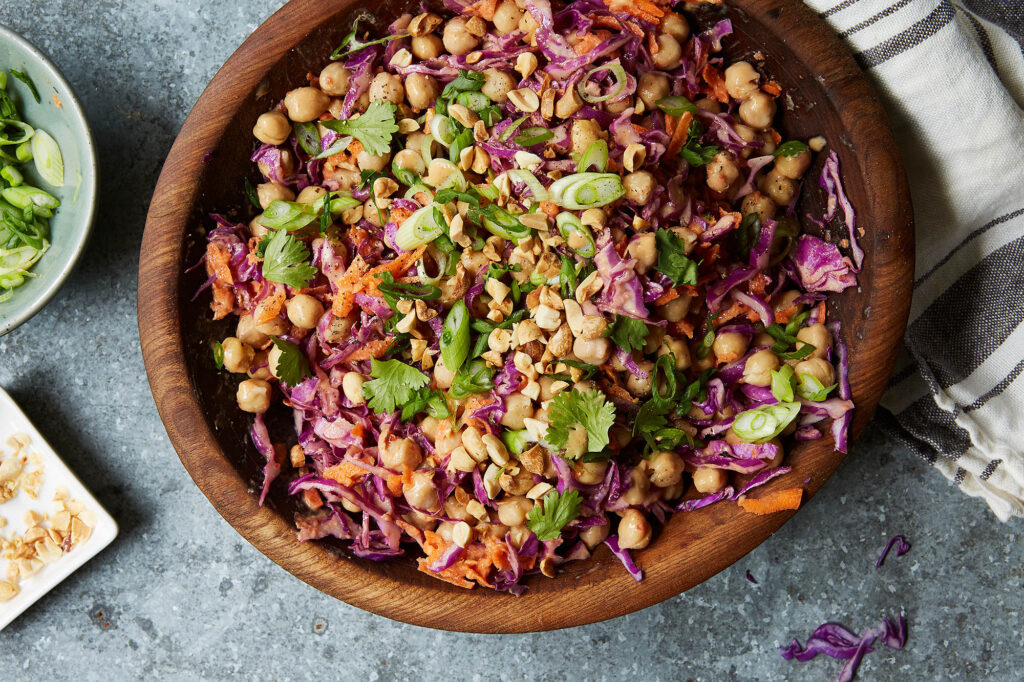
549,208
776,137
585,44
345,473
772,88
354,147
372,349
475,563
270,307
218,262
484,9
758,284
716,85
652,44
396,267
640,129
311,496
223,303
681,328
821,312
681,132
399,214
642,9
786,314
780,500
735,309
395,485
345,300
669,295
56,101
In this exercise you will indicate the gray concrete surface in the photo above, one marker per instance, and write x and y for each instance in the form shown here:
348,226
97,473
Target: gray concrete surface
182,596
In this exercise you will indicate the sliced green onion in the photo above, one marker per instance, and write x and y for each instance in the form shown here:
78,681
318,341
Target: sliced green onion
442,130
811,389
417,188
761,424
308,136
287,215
455,179
27,80
616,70
790,148
22,132
596,158
586,190
474,101
537,190
782,384
676,105
340,145
24,152
455,337
533,135
500,222
27,196
48,159
418,229
12,175
488,191
477,377
218,354
786,231
440,259
461,141
578,236
508,132
515,441
424,292
665,366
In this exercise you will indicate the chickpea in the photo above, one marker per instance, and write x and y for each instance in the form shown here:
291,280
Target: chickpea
237,355
338,329
653,86
584,133
421,90
758,111
334,79
679,349
273,357
706,362
676,309
410,160
512,511
272,128
387,87
517,408
506,18
818,336
741,80
670,53
497,84
787,299
247,333
457,510
429,427
401,453
271,191
819,368
729,346
367,161
304,311
310,194
763,206
639,186
781,454
762,340
254,396
640,485
255,228
589,473
617,106
274,327
457,38
706,104
781,189
421,493
306,104
420,520
758,370
637,386
644,250
666,469
258,368
352,387
427,47
655,335
676,26
592,351
286,162
594,535
443,376
793,166
709,479
634,530
722,172
768,145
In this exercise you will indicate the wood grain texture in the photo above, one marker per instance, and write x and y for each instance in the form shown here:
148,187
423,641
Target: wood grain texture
203,173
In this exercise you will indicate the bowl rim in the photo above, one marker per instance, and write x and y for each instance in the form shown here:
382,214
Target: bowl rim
163,349
72,104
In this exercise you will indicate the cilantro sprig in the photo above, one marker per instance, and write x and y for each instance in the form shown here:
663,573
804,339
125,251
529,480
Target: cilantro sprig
351,43
292,365
373,128
695,153
393,383
790,148
586,409
284,260
627,332
785,336
552,513
672,259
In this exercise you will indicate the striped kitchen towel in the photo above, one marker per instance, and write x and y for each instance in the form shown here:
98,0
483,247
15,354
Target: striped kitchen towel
951,76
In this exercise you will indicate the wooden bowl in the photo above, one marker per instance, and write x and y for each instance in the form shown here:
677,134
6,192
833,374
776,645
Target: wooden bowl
203,173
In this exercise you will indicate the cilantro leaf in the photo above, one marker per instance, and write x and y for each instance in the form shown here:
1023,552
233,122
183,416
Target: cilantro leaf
791,148
373,128
651,424
672,259
426,400
218,354
552,512
394,383
292,365
466,81
693,152
351,43
627,332
587,409
284,260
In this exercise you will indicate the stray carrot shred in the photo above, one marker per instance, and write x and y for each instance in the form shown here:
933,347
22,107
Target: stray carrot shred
670,295
484,9
681,132
643,9
218,262
681,328
223,303
56,101
270,307
395,485
372,349
345,473
715,83
311,496
780,500
585,44
821,312
549,208
772,88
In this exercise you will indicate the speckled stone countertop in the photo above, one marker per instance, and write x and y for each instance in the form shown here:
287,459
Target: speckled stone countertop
180,595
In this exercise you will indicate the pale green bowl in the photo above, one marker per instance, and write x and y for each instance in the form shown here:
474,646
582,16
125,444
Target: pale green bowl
69,227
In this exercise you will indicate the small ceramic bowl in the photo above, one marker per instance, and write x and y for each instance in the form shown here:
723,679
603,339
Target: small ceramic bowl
60,114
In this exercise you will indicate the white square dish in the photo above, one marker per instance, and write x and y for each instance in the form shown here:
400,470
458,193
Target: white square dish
55,474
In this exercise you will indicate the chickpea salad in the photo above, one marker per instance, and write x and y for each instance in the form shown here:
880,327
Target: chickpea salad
530,279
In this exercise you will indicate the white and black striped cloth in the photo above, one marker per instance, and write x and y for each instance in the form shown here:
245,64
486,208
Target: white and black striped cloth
951,76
